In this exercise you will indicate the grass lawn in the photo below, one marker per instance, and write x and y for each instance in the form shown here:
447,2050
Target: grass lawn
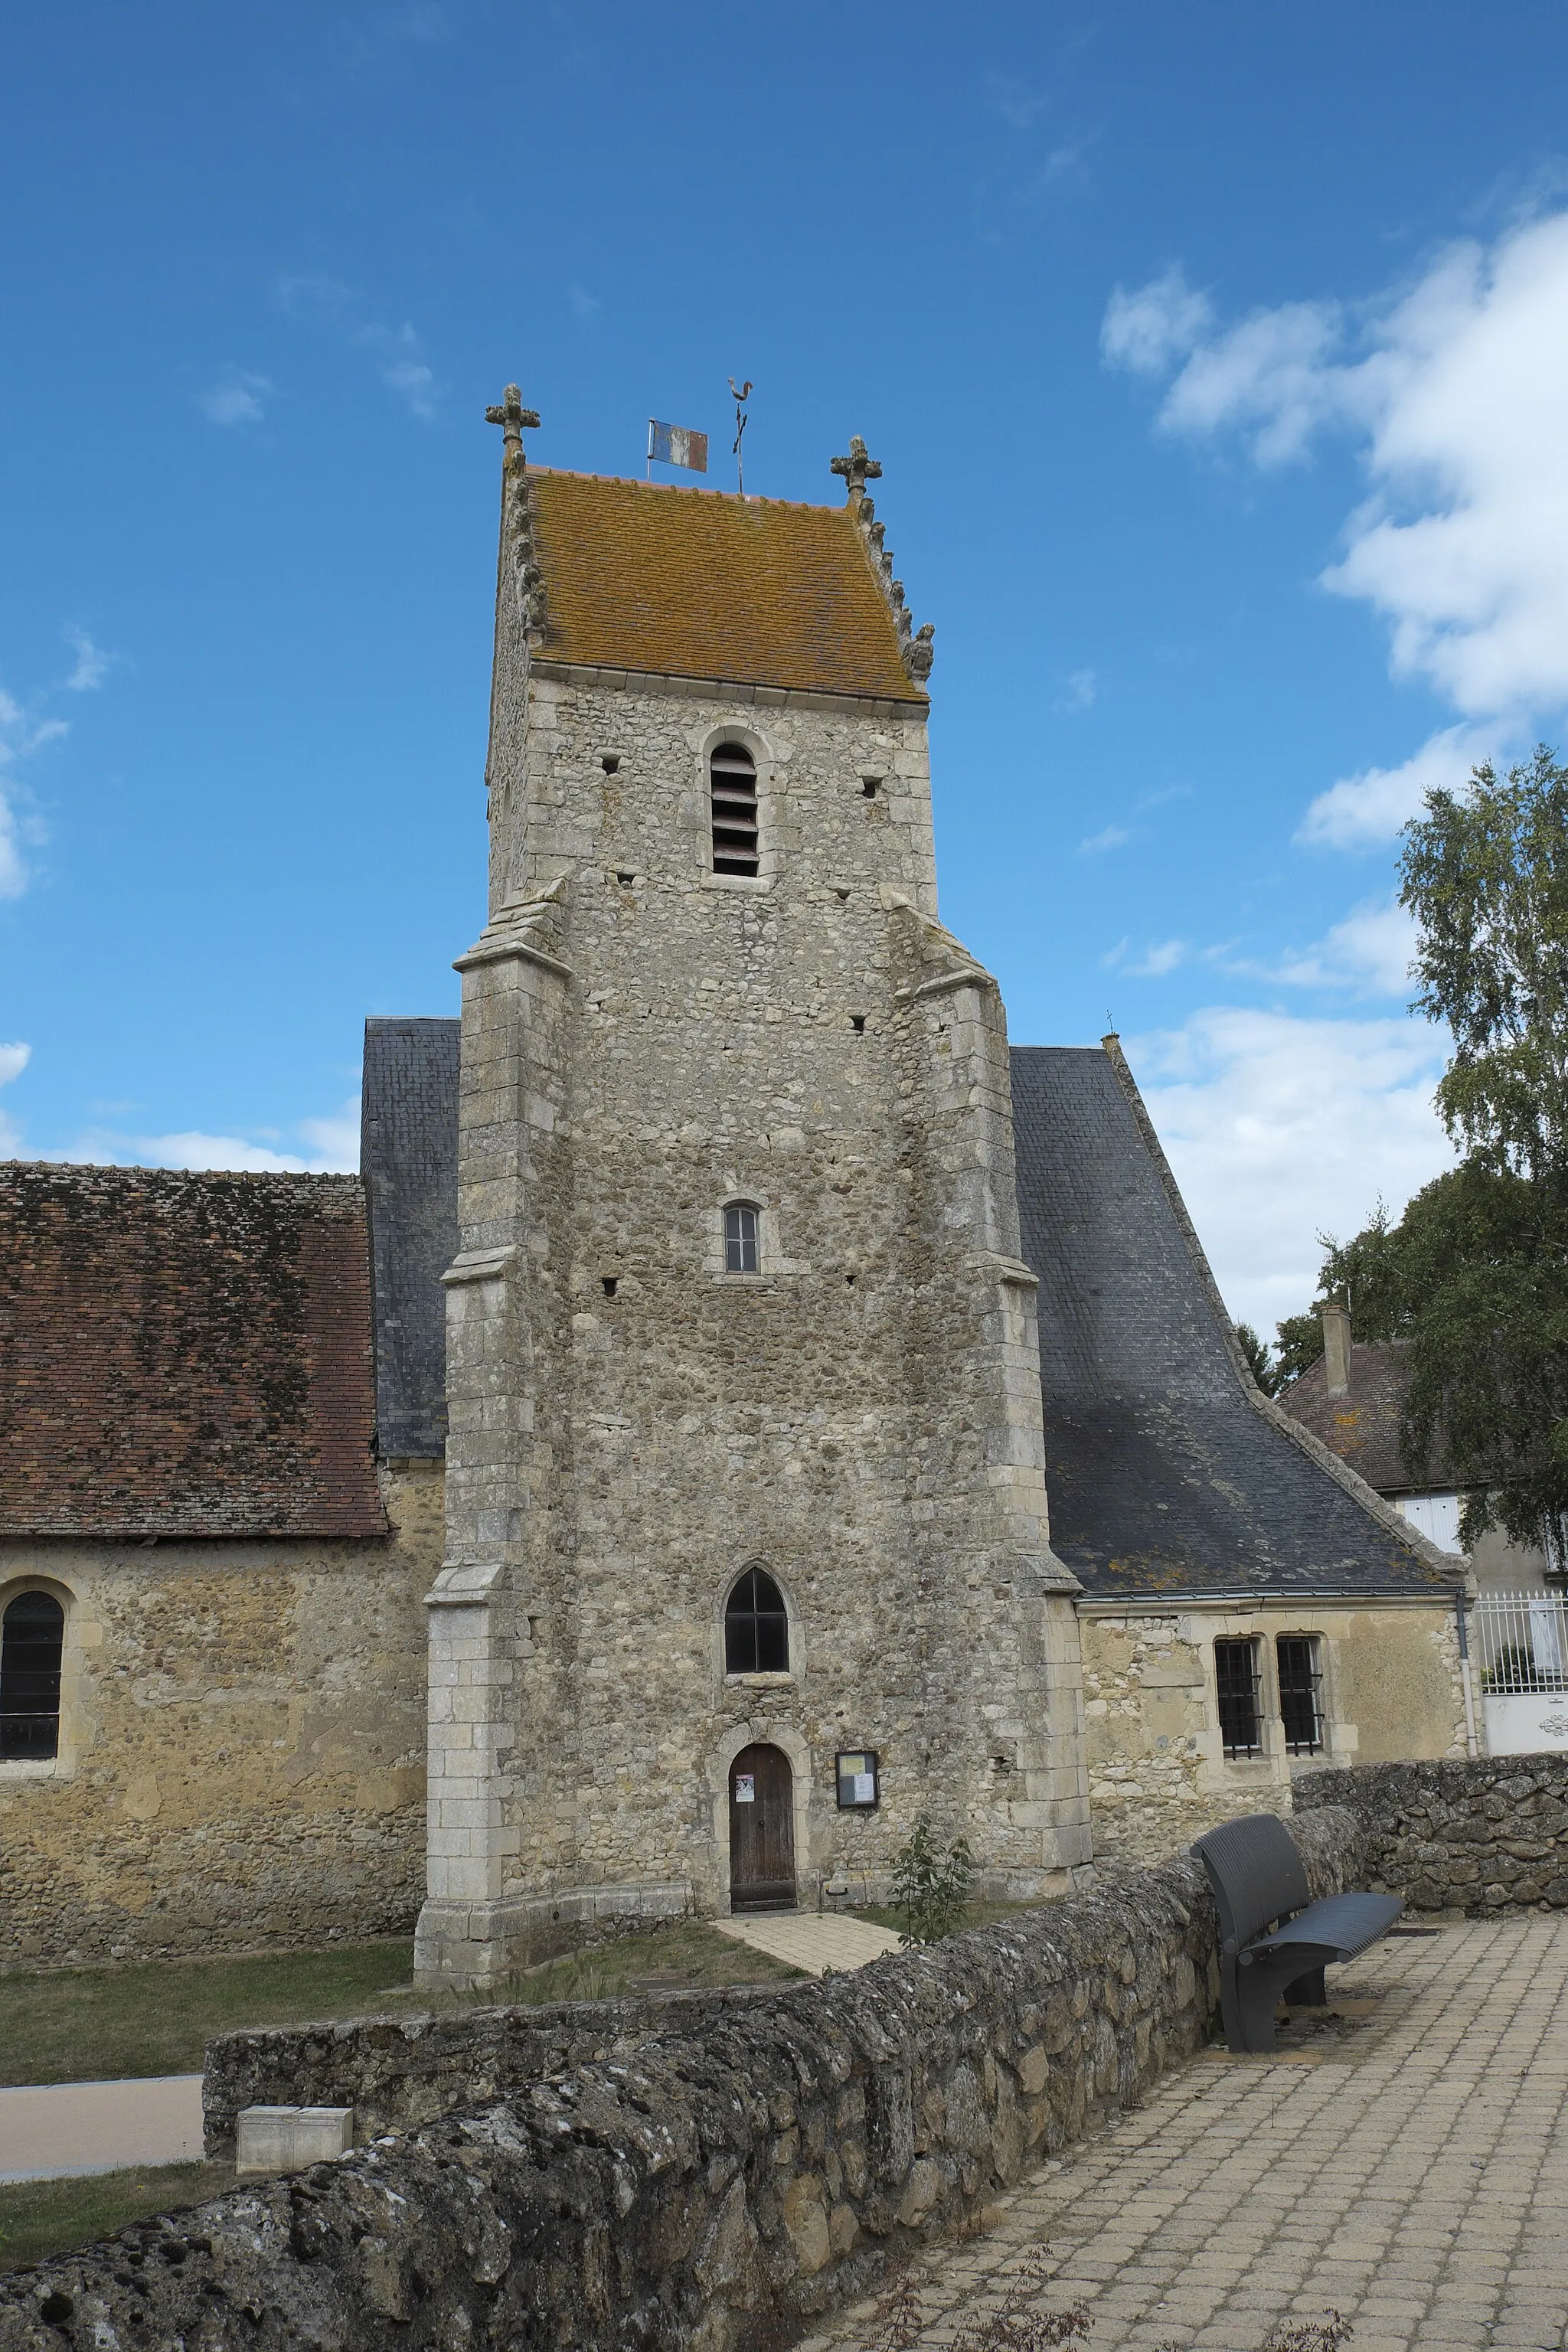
84,2025
975,1914
50,2216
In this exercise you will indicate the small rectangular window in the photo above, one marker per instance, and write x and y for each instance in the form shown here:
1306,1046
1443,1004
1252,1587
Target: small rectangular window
1236,1681
1301,1686
739,1239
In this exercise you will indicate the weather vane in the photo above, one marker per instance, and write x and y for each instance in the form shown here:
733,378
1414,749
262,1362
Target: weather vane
742,392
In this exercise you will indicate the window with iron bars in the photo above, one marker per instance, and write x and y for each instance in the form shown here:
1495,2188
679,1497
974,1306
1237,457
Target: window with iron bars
741,1238
1301,1688
1235,1683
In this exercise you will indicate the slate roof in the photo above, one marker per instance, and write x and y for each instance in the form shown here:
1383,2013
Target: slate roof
697,583
184,1355
1363,1426
408,1160
1168,1474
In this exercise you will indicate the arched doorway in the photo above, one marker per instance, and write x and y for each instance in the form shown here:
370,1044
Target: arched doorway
761,1831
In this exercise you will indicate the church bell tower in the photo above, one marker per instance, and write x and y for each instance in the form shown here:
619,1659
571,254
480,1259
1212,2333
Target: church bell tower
747,1556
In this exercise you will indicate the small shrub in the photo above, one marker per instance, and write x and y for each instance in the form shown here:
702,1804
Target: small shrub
930,1886
899,2319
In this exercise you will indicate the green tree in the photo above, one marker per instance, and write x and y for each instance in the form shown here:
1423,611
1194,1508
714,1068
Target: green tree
930,1884
1363,1273
1259,1362
1485,873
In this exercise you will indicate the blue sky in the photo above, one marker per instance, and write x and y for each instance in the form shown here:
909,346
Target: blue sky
1218,360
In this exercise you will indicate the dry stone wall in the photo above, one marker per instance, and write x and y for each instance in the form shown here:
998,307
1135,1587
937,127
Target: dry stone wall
717,2183
1478,1837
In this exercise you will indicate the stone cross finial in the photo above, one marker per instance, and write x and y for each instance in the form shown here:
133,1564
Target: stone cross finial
858,469
512,416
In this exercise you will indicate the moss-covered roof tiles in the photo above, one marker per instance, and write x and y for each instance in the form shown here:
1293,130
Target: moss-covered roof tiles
697,583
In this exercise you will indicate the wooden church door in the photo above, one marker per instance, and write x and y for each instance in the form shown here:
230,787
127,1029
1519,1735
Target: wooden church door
761,1831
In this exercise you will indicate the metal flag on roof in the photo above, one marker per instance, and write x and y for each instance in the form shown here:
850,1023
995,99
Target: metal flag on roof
678,445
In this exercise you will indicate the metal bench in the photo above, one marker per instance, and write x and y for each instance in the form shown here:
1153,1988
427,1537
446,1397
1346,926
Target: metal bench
1258,1881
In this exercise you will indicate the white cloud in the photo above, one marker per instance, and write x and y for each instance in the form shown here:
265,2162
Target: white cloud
1371,950
21,734
1080,688
1373,806
1160,957
330,1146
1281,1128
397,351
1110,836
13,1060
1160,323
238,399
1455,388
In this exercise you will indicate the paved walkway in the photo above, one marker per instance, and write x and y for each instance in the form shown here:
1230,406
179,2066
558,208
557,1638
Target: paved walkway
60,2128
816,1941
1407,2167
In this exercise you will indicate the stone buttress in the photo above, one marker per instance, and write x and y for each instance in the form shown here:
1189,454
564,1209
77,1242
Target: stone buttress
646,1041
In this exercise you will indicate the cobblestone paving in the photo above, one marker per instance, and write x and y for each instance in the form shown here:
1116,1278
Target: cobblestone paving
1407,2167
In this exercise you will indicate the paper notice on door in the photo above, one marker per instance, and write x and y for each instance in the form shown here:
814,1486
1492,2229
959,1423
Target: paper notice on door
745,1789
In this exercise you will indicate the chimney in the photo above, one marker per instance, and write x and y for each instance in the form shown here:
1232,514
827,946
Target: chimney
1336,1346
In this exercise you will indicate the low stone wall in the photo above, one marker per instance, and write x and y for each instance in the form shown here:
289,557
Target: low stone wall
398,2073
1478,1837
722,2183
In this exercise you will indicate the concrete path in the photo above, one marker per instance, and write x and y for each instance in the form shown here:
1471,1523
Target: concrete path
1407,2169
60,2128
816,1941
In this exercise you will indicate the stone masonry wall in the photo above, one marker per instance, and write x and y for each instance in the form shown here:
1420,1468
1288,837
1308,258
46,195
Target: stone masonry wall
1158,1773
632,1426
242,1744
717,2184
1478,1837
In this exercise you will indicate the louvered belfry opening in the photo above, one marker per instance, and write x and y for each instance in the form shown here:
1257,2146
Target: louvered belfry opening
732,776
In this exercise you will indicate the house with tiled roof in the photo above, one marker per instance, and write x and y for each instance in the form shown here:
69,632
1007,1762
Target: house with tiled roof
1353,1402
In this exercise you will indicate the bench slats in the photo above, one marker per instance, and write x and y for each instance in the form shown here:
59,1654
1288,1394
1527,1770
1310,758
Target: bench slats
1259,1879
1342,1924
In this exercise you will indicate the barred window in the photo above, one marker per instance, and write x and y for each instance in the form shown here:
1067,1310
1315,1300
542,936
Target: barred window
1301,1686
741,1238
732,783
1236,1681
756,1626
32,1638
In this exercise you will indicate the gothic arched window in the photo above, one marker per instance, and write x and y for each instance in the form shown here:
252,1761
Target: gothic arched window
740,1246
756,1626
733,784
32,1639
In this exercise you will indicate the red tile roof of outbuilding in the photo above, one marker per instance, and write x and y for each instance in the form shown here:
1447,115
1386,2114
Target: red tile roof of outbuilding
184,1355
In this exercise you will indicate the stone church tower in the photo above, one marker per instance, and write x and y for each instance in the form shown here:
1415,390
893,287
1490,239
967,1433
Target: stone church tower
747,1558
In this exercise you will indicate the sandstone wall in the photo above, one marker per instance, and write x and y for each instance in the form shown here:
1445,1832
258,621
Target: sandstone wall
1479,1837
1158,1773
242,1758
718,2184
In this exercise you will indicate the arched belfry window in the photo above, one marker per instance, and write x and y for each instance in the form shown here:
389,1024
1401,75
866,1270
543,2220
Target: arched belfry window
756,1626
741,1220
732,782
32,1638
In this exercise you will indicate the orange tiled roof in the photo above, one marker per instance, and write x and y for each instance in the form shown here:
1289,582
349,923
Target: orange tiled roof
696,584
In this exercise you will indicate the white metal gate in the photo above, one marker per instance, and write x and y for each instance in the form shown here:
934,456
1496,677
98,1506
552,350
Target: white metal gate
1522,1644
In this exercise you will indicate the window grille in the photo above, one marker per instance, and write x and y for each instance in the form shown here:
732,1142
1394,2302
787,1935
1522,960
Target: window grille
740,1239
756,1626
1301,1686
1236,1681
732,782
32,1637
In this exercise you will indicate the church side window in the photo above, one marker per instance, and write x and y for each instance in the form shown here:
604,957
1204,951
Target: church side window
32,1639
1236,1684
756,1626
732,783
741,1238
